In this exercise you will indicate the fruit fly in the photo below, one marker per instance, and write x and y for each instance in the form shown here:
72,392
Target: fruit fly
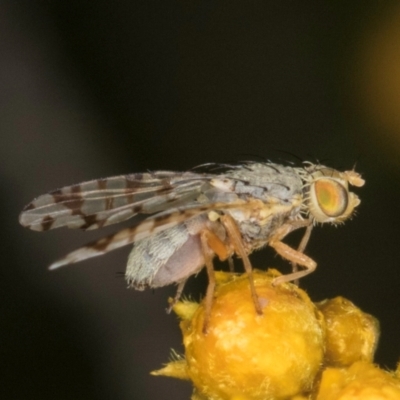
195,216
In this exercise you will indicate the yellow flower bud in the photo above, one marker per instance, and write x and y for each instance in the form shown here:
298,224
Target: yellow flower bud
248,356
351,335
361,381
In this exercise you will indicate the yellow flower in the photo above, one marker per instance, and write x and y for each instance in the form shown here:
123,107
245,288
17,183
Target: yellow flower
351,334
248,356
361,381
295,350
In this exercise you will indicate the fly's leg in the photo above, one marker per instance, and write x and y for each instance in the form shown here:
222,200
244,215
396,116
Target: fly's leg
177,296
231,264
302,247
236,240
291,254
208,239
211,244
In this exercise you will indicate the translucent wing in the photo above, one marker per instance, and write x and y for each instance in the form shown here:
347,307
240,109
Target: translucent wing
150,226
101,202
172,197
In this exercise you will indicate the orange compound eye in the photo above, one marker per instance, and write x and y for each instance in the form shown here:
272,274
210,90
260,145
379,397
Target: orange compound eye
331,196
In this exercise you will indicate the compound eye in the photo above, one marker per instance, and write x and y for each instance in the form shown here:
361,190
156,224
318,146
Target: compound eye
332,197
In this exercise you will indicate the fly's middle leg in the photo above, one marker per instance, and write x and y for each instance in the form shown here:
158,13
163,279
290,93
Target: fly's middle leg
237,243
212,245
209,242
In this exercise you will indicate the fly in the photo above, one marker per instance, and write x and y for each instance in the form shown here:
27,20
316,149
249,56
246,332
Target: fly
194,217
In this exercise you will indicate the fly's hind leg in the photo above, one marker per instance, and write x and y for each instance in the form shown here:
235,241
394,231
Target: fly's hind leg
177,296
211,245
231,264
236,240
295,256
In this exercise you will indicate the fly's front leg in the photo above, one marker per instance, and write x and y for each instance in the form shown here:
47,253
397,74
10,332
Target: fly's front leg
236,240
302,247
295,256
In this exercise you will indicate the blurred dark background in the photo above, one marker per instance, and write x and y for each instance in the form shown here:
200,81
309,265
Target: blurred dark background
95,89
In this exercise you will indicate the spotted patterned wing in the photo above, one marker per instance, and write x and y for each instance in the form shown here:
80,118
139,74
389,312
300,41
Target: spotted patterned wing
150,226
97,203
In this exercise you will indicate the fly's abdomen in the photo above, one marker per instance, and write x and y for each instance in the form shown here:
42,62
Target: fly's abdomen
168,257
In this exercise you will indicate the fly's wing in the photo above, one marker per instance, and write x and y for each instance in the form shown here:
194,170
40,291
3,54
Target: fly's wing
97,203
172,197
150,226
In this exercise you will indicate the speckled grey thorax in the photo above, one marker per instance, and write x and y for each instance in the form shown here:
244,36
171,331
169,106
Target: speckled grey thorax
267,181
273,184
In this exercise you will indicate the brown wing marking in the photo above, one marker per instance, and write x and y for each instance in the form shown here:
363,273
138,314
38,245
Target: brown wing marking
102,202
127,236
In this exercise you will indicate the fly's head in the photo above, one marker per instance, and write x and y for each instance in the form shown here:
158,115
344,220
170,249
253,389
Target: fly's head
327,197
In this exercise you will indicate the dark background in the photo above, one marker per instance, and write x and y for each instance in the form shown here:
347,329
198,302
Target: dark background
95,89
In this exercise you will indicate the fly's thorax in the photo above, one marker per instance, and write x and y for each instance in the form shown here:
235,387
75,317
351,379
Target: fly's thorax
327,197
264,181
258,221
256,235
